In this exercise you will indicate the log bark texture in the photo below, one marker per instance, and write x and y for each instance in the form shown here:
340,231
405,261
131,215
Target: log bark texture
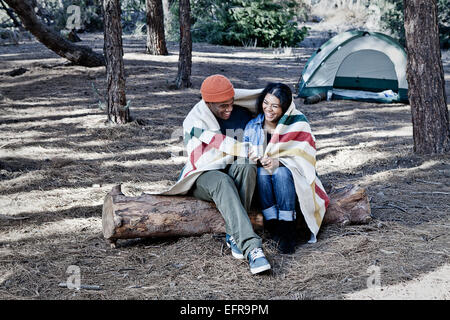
425,75
117,107
148,215
156,40
183,79
80,55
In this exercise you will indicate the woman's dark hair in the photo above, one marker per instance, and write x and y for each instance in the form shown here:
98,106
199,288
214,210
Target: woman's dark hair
279,90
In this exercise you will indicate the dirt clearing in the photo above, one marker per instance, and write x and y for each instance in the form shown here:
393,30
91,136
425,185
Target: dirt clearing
58,160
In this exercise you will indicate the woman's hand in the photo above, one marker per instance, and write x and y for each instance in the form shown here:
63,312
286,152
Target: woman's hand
270,164
252,156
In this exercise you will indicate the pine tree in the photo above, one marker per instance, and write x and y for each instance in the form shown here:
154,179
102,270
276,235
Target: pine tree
425,75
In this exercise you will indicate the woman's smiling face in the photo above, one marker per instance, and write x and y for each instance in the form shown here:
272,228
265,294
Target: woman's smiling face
272,108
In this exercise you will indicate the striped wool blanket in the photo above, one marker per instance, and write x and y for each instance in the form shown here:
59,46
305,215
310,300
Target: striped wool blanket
292,143
295,146
207,149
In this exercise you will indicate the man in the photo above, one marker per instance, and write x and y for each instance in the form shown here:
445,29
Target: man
217,169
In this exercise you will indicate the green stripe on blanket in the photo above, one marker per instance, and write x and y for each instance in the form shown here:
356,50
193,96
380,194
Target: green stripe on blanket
197,132
288,120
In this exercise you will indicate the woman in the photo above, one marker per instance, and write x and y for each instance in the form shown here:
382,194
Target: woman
275,182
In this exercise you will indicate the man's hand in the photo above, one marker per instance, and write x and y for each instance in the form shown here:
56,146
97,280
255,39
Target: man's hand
270,164
252,156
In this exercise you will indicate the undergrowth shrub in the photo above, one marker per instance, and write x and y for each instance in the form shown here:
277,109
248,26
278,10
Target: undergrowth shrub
393,20
264,23
54,13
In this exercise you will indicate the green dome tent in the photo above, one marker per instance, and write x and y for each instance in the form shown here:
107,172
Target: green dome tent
357,65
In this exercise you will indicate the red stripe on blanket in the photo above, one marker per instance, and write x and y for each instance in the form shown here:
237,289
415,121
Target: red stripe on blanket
215,142
202,149
322,194
192,161
297,136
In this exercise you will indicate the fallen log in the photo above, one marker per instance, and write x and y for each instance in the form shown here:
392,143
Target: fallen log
148,215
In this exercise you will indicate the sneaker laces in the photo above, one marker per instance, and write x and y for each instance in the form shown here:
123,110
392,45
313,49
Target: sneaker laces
257,253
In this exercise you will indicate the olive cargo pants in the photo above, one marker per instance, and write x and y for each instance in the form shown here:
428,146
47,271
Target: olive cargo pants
232,191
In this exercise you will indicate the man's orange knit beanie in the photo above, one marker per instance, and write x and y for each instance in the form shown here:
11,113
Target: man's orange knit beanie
217,88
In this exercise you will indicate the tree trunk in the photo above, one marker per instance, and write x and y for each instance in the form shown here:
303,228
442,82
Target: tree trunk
156,41
425,74
117,108
80,55
183,79
165,216
167,16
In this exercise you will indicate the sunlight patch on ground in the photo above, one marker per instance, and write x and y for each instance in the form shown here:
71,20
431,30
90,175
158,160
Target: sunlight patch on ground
40,61
225,60
148,57
230,58
383,177
68,116
38,152
429,165
347,160
335,146
65,199
42,153
147,78
434,285
131,164
5,274
378,108
24,179
325,145
25,82
228,55
171,93
46,201
50,229
405,131
270,79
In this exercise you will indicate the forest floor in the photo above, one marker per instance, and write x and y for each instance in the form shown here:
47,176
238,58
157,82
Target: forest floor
58,160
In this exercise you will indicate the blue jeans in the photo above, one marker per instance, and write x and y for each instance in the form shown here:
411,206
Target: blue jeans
277,193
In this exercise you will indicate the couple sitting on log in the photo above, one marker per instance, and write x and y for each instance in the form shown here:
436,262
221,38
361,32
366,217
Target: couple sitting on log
232,154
